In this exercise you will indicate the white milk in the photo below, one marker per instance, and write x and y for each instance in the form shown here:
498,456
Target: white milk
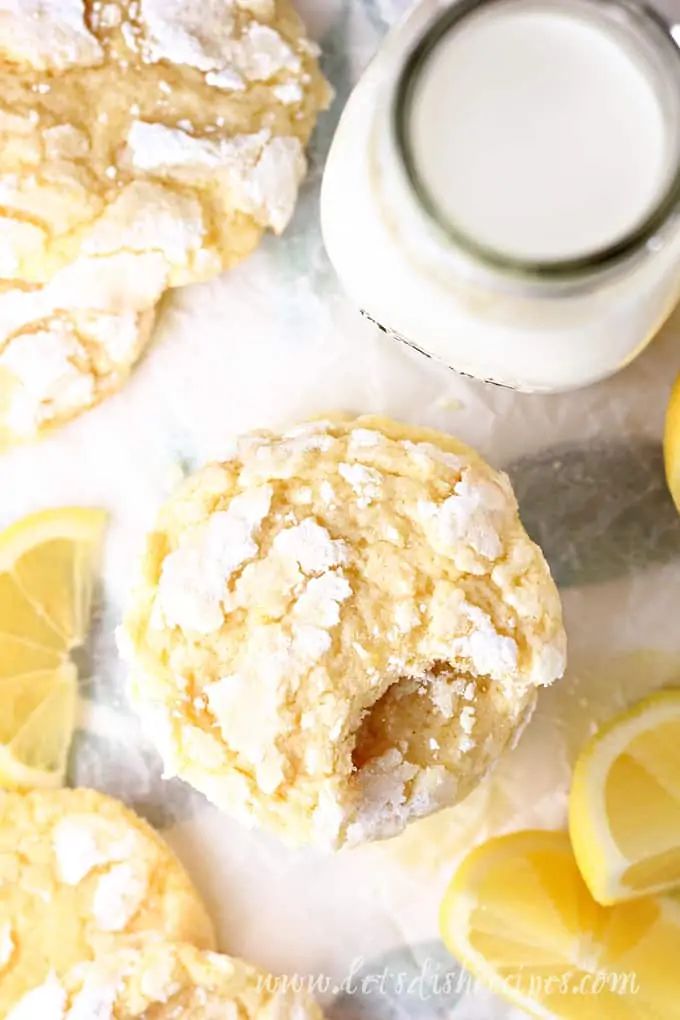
537,134
489,177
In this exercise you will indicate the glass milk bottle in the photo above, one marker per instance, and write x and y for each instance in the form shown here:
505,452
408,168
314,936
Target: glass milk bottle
503,190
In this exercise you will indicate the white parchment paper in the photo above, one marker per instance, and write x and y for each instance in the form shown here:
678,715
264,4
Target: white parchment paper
276,341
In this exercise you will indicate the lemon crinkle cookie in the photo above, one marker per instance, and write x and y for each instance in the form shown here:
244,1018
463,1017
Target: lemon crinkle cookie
340,628
156,138
80,875
166,980
69,344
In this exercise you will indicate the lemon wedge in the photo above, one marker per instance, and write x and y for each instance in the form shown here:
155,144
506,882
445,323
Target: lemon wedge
671,443
47,563
519,916
624,808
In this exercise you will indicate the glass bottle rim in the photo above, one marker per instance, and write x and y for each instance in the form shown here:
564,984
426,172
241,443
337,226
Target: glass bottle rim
658,32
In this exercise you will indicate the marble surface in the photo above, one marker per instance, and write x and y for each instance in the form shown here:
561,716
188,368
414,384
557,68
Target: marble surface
275,341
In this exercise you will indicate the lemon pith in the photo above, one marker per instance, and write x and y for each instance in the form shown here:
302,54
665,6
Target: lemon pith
47,562
519,916
624,807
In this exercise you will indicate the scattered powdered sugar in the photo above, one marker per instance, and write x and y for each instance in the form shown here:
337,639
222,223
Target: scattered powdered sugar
366,482
85,842
473,516
393,791
327,493
158,982
6,944
96,999
425,453
310,643
193,32
203,34
194,578
442,695
237,701
549,662
119,895
490,653
467,719
319,604
405,615
383,784
117,334
47,34
288,92
261,53
46,1002
363,438
233,701
228,80
48,380
267,458
149,217
260,173
270,192
310,545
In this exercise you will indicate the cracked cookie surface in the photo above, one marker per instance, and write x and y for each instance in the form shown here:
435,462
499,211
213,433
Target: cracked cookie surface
80,874
70,343
340,628
166,981
157,139
168,126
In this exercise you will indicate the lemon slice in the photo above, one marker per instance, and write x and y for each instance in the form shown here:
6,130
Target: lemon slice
47,562
671,443
624,809
519,916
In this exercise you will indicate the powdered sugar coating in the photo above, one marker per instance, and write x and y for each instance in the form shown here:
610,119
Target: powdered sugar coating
165,980
81,875
6,944
47,34
47,1001
185,153
119,895
374,652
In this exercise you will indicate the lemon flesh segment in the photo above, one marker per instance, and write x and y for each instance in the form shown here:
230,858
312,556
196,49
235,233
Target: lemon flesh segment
47,563
36,754
624,806
519,916
671,443
18,657
51,557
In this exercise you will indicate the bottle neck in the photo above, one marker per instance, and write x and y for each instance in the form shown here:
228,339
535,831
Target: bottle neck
454,74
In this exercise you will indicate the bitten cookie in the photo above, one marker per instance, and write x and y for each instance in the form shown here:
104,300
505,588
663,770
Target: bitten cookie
80,874
165,981
340,628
